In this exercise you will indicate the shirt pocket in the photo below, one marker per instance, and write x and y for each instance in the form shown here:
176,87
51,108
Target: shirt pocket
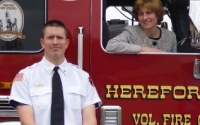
41,97
75,94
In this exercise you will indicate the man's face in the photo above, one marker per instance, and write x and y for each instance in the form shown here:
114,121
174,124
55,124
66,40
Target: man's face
54,42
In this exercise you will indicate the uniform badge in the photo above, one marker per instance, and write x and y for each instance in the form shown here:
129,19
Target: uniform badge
91,82
38,84
19,77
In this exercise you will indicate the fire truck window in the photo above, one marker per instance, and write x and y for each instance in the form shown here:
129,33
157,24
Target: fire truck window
20,25
194,23
178,19
118,17
115,19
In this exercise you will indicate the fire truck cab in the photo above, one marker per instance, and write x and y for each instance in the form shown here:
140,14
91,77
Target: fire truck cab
136,89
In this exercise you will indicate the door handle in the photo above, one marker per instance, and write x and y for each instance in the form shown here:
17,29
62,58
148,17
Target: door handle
196,69
80,47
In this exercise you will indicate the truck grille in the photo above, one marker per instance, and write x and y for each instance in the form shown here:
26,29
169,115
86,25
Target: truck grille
5,109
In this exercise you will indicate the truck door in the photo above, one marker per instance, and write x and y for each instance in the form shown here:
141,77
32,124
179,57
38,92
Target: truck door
76,15
150,88
20,45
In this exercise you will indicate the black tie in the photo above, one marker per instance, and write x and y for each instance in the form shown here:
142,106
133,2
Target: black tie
57,105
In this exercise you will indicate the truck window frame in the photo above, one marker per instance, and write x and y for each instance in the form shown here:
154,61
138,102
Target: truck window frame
167,19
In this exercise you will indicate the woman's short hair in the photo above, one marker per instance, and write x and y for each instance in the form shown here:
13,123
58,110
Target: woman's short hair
153,5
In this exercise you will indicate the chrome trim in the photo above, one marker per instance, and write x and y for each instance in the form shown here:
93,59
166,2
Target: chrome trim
196,69
5,109
111,115
80,47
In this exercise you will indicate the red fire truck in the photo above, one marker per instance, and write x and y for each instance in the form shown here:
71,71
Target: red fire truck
136,89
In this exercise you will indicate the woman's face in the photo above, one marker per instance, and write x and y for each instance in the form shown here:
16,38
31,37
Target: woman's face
147,19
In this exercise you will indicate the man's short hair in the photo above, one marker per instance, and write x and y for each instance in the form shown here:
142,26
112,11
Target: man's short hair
54,23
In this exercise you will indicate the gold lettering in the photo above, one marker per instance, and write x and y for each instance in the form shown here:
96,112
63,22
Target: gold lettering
153,92
165,90
172,119
176,119
166,118
187,119
198,120
108,87
193,90
125,91
150,91
136,118
138,89
150,120
145,119
177,91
